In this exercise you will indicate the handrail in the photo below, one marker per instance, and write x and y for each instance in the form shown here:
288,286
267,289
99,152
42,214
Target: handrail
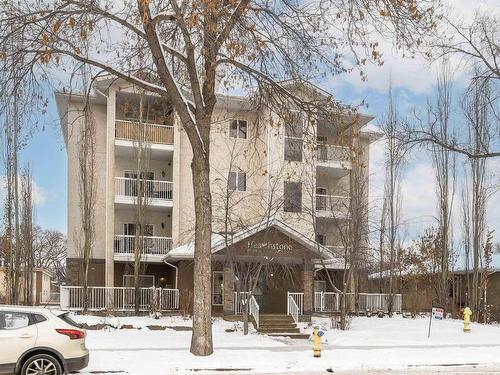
329,152
330,301
333,203
152,245
292,308
254,308
158,189
117,298
149,132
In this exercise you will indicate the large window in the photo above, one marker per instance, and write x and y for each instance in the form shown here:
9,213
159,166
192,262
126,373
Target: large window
238,129
293,138
218,288
238,181
292,197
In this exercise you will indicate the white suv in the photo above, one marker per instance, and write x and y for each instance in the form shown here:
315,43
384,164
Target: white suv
39,341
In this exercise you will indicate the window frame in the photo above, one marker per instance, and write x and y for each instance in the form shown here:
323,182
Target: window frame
299,202
140,275
294,137
325,238
238,121
237,175
31,319
213,288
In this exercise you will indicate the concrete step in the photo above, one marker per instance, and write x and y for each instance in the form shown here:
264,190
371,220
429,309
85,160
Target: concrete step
273,318
278,330
277,325
292,335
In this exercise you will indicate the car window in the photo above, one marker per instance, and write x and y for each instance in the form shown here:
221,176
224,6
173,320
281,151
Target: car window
39,318
65,317
13,320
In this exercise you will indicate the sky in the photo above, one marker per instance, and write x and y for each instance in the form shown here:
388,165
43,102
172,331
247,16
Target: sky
413,82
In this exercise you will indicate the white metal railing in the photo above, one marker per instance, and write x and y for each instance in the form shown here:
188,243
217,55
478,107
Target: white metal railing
334,204
292,308
151,245
239,301
327,152
118,298
299,300
253,307
377,302
330,302
47,297
130,187
148,132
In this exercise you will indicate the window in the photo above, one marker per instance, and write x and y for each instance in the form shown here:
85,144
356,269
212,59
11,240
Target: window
39,318
129,229
66,318
319,286
321,239
218,288
292,200
145,281
237,181
13,320
238,129
293,149
293,138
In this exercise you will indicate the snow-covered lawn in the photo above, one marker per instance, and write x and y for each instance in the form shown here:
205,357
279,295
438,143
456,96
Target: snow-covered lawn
370,343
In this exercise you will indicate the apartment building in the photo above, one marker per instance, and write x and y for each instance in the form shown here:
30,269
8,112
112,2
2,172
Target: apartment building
280,188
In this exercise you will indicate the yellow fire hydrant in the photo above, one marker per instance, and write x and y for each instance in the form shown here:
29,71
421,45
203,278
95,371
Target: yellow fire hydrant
467,314
317,342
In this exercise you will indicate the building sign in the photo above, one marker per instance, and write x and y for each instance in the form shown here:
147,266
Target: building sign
438,313
269,245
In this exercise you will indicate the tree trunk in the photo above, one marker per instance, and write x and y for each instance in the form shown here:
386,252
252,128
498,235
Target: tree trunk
201,340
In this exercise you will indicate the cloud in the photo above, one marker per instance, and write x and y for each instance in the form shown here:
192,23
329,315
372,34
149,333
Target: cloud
39,196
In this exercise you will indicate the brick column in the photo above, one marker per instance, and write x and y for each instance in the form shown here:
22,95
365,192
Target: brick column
228,290
308,285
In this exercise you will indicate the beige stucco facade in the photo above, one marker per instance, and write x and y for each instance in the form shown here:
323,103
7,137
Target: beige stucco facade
260,156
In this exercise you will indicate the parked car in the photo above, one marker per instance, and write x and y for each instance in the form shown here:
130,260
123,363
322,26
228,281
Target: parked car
35,340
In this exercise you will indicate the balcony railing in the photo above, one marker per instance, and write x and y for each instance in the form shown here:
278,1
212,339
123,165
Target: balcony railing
125,244
330,301
336,153
333,204
118,298
137,131
130,187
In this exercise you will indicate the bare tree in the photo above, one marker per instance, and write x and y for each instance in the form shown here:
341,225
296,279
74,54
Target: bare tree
476,46
49,252
26,235
477,112
394,159
87,195
187,46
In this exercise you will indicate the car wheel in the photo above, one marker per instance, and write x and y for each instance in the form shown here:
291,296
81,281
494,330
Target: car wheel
41,364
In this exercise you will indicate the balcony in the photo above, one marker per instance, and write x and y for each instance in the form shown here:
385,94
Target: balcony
153,248
157,193
160,138
332,206
333,157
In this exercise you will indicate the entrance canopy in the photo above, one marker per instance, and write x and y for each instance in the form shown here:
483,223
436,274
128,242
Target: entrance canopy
273,240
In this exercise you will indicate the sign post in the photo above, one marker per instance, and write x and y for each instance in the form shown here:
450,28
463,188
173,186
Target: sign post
436,313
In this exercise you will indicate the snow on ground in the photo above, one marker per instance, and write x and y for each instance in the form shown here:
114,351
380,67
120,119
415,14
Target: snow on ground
370,343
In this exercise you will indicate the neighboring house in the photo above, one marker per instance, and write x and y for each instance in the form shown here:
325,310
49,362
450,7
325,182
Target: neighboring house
419,290
42,280
298,170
